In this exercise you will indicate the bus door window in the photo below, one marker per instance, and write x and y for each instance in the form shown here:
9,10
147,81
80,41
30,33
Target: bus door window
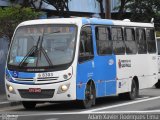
103,38
150,36
131,46
142,46
118,43
86,45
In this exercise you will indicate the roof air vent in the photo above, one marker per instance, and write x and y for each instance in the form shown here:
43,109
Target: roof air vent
126,20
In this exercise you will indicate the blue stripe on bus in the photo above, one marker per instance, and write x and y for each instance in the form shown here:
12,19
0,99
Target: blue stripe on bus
103,74
97,21
17,74
11,75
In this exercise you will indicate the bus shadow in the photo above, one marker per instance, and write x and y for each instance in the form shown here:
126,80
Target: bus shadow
75,107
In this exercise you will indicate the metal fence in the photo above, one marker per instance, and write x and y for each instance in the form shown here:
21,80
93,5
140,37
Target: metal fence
4,43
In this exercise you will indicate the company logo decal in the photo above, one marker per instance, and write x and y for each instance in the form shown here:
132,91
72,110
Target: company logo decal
124,63
111,62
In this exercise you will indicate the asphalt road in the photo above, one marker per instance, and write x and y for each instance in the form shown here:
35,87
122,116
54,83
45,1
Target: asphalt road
108,108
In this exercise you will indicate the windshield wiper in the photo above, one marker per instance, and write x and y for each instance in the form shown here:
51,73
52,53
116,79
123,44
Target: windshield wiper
31,51
41,49
38,49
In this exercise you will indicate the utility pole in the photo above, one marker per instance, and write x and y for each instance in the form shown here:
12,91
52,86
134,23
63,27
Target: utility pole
108,9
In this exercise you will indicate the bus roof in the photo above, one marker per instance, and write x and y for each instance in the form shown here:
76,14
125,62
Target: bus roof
84,21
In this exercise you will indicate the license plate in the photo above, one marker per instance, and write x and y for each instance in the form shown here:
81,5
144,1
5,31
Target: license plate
35,90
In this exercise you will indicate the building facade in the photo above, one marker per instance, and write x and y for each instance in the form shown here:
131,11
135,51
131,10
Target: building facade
4,3
76,7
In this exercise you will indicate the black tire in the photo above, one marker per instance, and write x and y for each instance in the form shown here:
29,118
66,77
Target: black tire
134,93
90,96
29,105
157,85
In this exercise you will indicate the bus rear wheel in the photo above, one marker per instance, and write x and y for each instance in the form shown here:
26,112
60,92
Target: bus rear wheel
157,85
29,105
132,94
90,96
134,91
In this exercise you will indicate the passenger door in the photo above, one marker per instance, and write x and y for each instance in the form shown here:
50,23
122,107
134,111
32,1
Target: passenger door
85,61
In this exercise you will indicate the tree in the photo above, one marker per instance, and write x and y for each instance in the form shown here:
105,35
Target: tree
28,3
60,5
144,10
122,8
10,17
141,10
101,8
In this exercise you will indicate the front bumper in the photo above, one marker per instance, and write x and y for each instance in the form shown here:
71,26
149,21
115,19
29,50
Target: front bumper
69,95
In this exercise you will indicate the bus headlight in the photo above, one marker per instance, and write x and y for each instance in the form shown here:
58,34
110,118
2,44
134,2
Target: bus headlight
10,89
63,88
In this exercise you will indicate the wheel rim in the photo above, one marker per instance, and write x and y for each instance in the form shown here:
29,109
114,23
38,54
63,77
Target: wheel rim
133,91
89,94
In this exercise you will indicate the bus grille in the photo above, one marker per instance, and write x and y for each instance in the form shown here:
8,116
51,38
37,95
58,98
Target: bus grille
43,80
43,94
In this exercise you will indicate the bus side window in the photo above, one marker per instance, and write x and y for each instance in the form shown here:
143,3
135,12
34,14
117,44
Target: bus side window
103,39
118,43
131,46
150,36
142,46
86,45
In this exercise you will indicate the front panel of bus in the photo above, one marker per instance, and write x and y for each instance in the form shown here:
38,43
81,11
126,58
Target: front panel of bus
40,63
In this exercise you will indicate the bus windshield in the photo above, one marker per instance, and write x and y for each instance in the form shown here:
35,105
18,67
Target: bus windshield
40,46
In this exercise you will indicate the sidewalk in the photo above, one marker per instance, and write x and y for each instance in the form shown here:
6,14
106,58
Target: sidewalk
5,103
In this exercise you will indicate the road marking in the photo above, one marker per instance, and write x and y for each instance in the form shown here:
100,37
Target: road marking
142,98
52,119
4,102
95,111
80,113
120,105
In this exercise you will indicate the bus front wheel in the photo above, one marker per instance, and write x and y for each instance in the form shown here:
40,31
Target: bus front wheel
90,96
29,105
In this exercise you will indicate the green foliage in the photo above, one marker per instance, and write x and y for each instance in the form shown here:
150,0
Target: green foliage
141,11
144,10
10,17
